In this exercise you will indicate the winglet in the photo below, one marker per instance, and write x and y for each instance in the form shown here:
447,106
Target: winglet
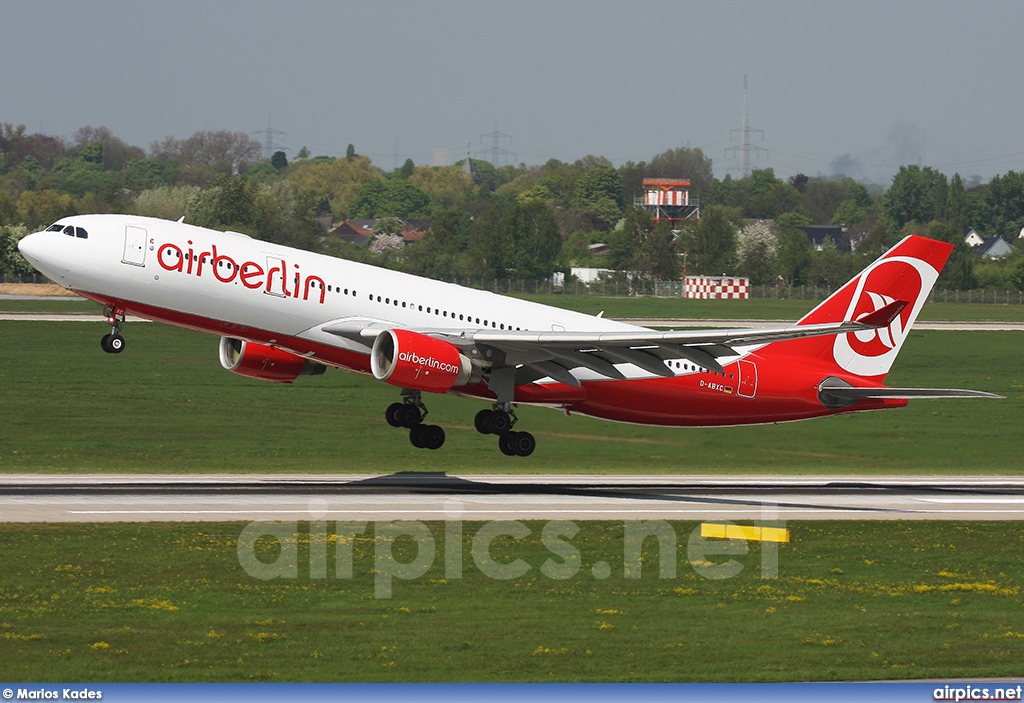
884,316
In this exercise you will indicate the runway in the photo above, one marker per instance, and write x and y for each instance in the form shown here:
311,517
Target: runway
438,496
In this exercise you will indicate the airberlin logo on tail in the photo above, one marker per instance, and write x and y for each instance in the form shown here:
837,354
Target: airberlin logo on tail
872,352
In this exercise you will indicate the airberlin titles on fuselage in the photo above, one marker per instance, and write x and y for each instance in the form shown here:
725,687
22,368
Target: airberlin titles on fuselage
273,279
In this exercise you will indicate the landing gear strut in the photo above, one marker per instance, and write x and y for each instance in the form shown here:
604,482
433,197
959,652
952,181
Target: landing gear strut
410,414
500,420
113,343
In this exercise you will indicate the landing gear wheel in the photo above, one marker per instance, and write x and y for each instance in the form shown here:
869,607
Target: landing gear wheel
522,443
409,415
481,422
416,437
426,436
112,343
505,443
492,422
432,435
392,414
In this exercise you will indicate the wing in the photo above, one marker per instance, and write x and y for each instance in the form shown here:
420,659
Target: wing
536,355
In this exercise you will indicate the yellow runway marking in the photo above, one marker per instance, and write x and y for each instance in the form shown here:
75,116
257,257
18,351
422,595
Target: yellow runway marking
747,532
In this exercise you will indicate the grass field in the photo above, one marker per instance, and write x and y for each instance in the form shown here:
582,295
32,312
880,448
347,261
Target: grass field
852,601
165,404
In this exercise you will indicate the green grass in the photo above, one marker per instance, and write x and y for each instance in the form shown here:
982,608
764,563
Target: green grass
166,405
852,601
53,305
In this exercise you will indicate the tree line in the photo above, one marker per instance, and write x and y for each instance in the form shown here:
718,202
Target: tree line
508,221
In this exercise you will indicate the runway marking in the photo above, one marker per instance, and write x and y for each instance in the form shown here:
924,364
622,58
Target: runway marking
1015,501
469,513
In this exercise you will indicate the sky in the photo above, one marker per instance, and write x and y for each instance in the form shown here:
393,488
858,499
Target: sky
858,87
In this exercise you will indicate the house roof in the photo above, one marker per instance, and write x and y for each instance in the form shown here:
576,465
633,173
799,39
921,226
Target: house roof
359,232
837,233
993,247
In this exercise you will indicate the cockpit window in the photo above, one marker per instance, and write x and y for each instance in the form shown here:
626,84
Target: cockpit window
69,230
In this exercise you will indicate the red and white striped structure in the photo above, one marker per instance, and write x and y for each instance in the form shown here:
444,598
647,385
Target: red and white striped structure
668,200
717,287
667,197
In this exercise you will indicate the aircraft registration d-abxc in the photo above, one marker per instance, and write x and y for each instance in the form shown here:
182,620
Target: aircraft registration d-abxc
284,313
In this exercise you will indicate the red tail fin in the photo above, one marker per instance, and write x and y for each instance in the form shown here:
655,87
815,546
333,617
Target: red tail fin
906,272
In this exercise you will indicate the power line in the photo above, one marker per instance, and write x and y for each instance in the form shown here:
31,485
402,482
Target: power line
269,135
496,150
745,148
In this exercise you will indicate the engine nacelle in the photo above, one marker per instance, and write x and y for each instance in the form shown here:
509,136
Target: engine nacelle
263,362
418,362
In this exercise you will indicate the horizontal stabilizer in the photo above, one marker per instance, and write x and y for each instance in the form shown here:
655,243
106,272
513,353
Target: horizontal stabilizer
884,316
909,393
835,393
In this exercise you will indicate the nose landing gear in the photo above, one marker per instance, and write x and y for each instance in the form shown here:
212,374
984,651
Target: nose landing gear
113,343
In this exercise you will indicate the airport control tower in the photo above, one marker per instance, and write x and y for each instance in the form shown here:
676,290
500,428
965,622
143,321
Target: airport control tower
669,199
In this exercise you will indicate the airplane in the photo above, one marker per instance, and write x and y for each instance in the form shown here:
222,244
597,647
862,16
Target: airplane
282,313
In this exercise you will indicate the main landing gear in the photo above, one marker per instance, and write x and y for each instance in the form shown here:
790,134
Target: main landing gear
113,343
410,414
500,421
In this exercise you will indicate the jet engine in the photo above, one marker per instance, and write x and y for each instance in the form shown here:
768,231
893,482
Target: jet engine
418,362
265,363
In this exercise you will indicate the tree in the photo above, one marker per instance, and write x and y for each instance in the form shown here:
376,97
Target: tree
490,250
337,180
958,273
279,160
220,152
440,253
658,257
536,241
756,252
12,263
390,198
914,196
794,250
407,169
627,240
682,162
350,152
824,198
848,214
829,267
998,207
957,204
599,191
114,153
711,248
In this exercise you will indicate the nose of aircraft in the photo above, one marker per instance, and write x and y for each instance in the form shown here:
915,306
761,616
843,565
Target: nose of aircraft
31,247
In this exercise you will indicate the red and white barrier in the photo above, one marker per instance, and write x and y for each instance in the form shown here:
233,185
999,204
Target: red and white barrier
717,287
